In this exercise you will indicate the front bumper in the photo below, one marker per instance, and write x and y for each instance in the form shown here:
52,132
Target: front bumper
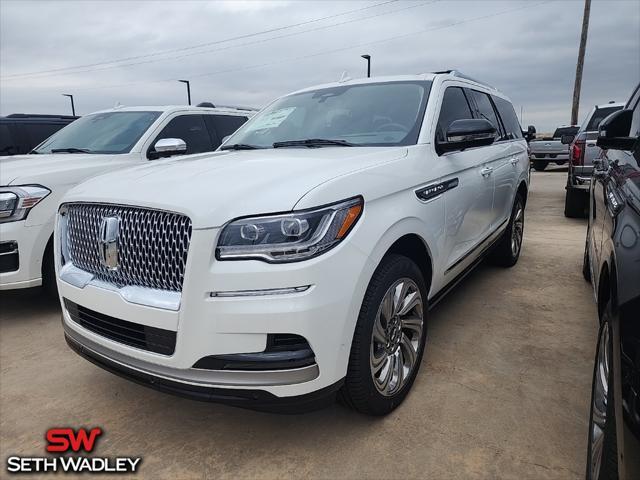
31,242
323,314
254,399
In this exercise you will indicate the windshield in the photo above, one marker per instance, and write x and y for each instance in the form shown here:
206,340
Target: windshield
110,132
374,114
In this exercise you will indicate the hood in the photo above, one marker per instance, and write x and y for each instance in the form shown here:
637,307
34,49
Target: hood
215,188
54,169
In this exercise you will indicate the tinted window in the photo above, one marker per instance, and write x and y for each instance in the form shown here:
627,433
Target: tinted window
38,132
454,107
509,118
374,114
6,144
108,132
565,131
192,130
485,110
599,114
227,124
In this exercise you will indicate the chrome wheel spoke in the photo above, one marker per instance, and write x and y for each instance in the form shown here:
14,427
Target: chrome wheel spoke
399,294
379,335
409,302
408,351
414,324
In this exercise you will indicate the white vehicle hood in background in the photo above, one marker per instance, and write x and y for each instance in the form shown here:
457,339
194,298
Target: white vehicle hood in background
55,169
215,188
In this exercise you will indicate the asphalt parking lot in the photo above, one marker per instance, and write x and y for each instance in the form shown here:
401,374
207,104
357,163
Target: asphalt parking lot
503,391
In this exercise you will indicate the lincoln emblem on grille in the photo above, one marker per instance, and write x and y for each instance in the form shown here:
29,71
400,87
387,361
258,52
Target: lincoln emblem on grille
108,242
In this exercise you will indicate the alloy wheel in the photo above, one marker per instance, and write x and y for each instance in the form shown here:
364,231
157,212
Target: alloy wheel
396,336
517,230
599,402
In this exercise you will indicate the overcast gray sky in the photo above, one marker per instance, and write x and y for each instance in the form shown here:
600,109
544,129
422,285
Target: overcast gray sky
134,52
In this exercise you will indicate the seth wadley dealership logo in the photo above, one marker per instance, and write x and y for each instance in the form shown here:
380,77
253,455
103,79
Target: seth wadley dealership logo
67,440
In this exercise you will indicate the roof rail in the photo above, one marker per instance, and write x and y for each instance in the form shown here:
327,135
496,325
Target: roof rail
39,115
234,107
459,74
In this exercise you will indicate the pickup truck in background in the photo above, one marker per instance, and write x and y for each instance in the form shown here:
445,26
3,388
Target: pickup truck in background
550,149
582,152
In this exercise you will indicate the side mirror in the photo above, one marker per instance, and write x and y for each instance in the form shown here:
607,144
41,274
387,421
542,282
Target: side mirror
468,133
613,132
225,138
567,139
530,134
166,147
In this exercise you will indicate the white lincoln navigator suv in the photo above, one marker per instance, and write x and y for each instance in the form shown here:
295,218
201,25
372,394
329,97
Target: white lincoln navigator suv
301,259
31,186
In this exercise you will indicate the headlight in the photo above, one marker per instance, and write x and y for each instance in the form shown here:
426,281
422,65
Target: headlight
289,237
16,202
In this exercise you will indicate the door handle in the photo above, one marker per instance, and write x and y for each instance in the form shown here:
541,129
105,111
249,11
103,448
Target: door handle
486,171
514,161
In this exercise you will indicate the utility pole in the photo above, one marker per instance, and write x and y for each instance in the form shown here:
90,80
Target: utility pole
73,107
368,59
580,64
188,90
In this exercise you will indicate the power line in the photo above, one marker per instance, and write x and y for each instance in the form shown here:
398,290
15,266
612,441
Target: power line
229,47
327,52
200,45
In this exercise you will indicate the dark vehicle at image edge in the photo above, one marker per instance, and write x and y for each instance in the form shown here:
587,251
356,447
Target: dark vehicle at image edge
612,264
21,132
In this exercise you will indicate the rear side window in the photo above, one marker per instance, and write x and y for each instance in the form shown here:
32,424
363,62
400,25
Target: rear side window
599,114
454,107
226,125
192,130
485,110
509,118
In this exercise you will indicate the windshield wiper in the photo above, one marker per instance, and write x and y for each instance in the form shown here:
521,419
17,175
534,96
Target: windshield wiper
313,142
70,150
240,146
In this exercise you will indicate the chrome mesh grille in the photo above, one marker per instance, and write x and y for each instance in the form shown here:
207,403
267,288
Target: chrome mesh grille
152,244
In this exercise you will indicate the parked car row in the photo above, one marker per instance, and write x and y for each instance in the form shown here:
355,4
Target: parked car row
300,260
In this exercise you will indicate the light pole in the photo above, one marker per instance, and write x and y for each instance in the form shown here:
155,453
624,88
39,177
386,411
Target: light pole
73,107
188,90
368,59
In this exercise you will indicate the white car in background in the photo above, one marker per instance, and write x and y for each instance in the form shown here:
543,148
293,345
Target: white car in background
31,186
301,259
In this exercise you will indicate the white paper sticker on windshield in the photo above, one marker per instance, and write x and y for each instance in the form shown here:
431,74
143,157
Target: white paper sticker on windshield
273,119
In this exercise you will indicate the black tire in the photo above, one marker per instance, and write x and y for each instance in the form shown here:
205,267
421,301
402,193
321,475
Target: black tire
575,203
359,390
609,459
586,269
49,285
540,165
560,163
504,253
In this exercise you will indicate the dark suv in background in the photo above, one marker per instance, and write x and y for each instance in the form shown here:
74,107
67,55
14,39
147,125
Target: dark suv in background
612,264
582,152
20,132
